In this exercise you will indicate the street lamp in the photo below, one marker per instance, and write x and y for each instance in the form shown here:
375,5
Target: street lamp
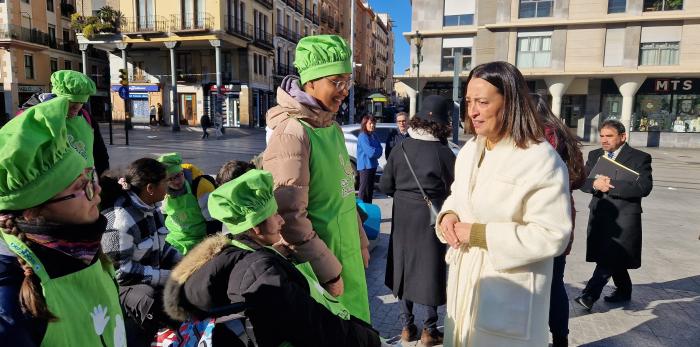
418,41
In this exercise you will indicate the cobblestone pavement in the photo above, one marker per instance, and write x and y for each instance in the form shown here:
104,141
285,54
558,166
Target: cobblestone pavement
665,306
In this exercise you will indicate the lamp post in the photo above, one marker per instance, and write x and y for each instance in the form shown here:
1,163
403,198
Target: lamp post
418,41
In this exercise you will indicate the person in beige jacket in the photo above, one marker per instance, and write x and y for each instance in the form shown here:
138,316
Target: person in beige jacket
314,181
508,216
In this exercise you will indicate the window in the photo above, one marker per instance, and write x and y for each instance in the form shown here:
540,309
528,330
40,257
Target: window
67,65
617,6
80,67
264,61
279,17
49,5
659,53
458,12
535,8
450,46
52,36
534,50
255,63
296,26
663,5
29,66
145,12
53,64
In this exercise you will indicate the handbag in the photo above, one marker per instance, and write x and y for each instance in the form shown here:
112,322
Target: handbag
431,206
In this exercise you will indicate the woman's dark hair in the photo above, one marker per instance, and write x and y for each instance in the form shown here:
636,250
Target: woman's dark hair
519,119
571,153
367,118
138,175
441,131
232,170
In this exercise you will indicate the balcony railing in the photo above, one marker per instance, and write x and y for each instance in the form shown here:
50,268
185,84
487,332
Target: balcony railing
144,25
316,20
324,18
67,8
284,70
266,3
308,14
70,46
287,34
16,32
240,28
263,37
299,7
194,21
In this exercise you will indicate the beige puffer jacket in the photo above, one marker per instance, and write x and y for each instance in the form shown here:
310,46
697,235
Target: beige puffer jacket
287,158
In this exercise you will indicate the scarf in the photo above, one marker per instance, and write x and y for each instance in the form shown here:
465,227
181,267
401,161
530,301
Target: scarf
80,241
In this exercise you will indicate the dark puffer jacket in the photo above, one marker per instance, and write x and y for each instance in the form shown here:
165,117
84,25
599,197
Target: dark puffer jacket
216,274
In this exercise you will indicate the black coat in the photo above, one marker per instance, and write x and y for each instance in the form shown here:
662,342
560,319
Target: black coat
615,220
392,140
415,266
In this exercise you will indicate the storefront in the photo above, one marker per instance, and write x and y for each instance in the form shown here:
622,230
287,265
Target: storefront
142,101
24,92
229,108
668,105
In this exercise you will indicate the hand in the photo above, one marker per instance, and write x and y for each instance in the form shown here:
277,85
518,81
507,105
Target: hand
447,226
336,288
99,319
463,232
602,184
365,256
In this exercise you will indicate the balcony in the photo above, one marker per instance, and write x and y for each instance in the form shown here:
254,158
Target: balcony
316,19
308,14
191,22
263,38
287,34
284,70
299,7
15,32
67,8
324,18
240,28
266,3
144,25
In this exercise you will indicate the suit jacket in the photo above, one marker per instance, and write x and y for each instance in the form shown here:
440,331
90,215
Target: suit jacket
615,220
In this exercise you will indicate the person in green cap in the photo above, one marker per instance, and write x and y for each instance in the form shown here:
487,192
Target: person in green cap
314,179
187,215
285,304
57,288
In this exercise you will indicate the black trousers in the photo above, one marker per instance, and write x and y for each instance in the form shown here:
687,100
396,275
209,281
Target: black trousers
366,189
600,277
205,133
558,300
407,317
143,307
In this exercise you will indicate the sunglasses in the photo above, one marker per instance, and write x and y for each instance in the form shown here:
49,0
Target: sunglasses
88,190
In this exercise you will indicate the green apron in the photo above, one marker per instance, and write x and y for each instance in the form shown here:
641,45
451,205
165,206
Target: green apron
316,291
333,212
81,137
185,223
86,303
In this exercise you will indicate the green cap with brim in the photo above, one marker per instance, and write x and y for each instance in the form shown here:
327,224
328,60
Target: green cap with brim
244,202
322,55
172,162
36,162
74,85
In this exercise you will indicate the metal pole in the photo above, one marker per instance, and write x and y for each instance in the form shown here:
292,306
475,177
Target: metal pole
174,118
127,122
217,97
351,112
455,96
418,93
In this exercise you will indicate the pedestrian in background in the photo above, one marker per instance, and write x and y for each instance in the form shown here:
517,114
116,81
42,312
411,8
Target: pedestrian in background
508,216
368,150
398,134
152,116
205,122
159,114
415,270
569,149
615,222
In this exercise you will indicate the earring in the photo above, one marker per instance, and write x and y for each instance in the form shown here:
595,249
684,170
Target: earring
151,193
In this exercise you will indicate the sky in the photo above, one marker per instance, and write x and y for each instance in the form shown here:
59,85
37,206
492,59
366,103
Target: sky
399,12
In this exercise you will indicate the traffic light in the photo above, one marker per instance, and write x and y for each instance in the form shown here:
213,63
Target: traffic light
123,77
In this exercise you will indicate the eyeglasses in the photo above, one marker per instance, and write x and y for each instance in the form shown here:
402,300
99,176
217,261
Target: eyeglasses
88,189
175,176
342,84
401,121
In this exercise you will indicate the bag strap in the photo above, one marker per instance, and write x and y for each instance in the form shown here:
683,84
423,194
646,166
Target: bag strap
420,187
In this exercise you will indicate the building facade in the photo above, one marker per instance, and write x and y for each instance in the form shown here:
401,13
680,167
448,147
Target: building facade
36,39
632,60
293,19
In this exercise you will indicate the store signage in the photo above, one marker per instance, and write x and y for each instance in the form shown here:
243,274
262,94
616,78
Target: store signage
30,89
227,88
669,85
138,88
662,86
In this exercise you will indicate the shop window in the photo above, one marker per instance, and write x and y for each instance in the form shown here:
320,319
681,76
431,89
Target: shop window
617,6
659,53
29,66
534,51
662,5
535,8
448,58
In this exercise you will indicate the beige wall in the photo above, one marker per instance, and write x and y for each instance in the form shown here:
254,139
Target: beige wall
585,49
690,45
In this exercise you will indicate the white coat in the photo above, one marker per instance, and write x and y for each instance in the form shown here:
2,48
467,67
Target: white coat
499,296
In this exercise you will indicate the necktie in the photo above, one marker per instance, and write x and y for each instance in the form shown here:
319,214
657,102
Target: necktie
610,154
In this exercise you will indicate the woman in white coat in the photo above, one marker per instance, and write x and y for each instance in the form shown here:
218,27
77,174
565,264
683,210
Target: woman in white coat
507,218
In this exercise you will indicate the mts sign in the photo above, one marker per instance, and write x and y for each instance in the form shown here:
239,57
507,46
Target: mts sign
668,85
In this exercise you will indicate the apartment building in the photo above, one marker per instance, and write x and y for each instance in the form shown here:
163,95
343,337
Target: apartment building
373,51
36,40
632,60
294,19
334,14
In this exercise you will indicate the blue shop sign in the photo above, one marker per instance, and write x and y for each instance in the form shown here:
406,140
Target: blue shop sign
139,88
138,96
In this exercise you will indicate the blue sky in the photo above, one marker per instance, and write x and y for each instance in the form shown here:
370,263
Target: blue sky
400,13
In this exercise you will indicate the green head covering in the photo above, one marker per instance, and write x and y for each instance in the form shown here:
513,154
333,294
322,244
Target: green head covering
322,55
76,86
172,162
36,162
244,202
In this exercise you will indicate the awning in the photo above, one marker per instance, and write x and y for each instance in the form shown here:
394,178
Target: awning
379,97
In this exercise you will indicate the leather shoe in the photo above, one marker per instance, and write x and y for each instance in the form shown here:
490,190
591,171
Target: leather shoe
409,333
586,301
431,338
618,296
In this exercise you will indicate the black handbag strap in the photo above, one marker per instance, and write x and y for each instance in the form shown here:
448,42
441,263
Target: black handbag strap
420,187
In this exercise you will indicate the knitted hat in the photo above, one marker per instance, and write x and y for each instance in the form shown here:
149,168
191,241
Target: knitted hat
36,161
172,162
244,202
435,108
322,55
74,85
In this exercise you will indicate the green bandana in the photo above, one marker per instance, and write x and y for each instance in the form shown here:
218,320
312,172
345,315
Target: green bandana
244,202
76,86
172,162
322,55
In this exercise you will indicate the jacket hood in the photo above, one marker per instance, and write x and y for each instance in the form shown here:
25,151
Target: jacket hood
293,102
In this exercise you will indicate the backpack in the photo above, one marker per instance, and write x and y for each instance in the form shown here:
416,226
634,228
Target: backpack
198,179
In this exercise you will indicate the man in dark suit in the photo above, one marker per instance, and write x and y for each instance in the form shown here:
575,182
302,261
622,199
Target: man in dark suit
398,134
615,223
